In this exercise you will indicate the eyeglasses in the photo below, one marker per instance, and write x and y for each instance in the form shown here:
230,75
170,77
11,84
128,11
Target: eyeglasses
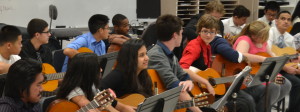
208,32
45,32
271,15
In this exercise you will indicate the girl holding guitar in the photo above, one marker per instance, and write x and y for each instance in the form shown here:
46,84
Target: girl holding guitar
130,75
252,40
81,80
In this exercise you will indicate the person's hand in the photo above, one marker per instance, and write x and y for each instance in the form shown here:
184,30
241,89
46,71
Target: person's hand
291,69
187,85
210,89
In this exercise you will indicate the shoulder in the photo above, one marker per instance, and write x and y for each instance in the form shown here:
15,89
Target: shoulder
154,51
7,104
15,57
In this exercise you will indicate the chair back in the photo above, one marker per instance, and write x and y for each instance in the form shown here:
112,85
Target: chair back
58,59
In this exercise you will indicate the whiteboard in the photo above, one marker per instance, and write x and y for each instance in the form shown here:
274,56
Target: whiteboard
71,13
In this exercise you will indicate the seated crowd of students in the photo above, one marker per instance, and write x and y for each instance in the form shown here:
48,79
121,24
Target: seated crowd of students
206,35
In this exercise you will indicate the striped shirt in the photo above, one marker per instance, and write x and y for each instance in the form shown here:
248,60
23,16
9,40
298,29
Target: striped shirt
8,104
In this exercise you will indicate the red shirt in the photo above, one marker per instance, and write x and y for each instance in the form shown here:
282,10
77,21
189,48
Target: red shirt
192,52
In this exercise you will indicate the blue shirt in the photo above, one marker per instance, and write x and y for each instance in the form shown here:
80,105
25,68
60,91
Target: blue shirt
85,40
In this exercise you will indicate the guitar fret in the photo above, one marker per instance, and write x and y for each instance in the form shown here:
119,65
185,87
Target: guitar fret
94,104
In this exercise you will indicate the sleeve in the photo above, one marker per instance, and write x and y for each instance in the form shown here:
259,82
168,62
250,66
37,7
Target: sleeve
4,107
189,55
76,92
78,43
222,47
161,64
271,39
113,81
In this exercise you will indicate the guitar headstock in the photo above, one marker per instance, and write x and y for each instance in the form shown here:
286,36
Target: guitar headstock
279,79
104,98
203,99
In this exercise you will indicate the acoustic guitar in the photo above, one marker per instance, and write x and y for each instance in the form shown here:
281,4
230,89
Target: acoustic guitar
52,76
201,100
101,101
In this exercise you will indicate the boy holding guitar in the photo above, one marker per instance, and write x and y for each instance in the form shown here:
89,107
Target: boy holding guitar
99,30
162,59
279,37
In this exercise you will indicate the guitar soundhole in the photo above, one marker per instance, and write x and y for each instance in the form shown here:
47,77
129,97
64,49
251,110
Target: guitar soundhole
212,82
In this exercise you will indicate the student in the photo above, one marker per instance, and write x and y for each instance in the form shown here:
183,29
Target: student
198,54
271,10
162,59
23,87
253,39
130,75
234,24
99,30
36,48
81,81
279,37
10,47
214,8
121,27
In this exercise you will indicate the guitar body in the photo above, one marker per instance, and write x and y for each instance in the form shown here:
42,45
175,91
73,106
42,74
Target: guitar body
256,66
283,51
209,74
49,85
131,99
225,67
60,105
155,79
49,69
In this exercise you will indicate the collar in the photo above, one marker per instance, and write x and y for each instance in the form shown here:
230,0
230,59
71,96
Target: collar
231,23
165,49
30,45
265,19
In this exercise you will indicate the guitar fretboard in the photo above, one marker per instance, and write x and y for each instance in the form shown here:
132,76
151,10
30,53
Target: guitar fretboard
92,105
55,76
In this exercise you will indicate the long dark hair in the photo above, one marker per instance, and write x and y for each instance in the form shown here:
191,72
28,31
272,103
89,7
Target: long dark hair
20,76
83,71
128,63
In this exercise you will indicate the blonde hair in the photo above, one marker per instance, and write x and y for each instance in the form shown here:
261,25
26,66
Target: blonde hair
214,5
207,21
256,28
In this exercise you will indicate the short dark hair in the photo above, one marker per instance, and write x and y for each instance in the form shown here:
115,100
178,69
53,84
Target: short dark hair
241,11
281,12
167,25
20,76
9,33
36,26
272,5
97,21
116,20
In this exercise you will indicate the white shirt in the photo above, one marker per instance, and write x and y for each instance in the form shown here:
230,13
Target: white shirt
274,35
12,59
78,91
265,20
231,28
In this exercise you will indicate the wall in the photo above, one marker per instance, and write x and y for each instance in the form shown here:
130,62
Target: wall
72,13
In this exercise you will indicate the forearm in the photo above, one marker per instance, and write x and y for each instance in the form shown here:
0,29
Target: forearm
70,52
254,58
196,77
117,39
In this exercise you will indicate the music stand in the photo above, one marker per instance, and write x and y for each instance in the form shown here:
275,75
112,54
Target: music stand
234,88
271,66
164,102
110,59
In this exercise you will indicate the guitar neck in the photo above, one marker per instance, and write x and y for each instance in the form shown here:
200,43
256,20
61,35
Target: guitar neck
55,76
92,105
185,104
